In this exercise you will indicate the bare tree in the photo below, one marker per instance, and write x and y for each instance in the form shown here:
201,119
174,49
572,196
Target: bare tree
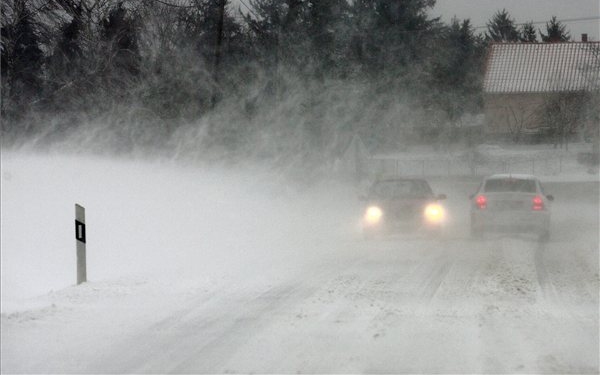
591,72
519,117
563,113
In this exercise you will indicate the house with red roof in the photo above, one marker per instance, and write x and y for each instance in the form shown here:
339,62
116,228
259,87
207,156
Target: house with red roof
532,89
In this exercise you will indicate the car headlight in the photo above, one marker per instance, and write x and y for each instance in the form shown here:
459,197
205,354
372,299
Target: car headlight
434,213
373,215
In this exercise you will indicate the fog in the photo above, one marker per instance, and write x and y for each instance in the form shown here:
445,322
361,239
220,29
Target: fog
159,218
222,185
238,234
279,265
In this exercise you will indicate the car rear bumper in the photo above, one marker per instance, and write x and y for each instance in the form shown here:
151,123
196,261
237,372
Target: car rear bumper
513,222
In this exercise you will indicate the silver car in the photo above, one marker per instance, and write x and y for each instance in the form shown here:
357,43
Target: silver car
511,203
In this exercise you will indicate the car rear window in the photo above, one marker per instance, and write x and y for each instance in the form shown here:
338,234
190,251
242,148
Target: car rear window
500,185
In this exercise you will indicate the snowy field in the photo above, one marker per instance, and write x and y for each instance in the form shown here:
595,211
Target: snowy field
198,270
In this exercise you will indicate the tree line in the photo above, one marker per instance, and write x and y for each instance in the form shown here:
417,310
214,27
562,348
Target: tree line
163,65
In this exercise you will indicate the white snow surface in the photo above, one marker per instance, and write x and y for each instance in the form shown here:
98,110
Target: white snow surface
204,270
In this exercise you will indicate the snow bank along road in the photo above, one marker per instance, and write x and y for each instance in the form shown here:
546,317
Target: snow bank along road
287,285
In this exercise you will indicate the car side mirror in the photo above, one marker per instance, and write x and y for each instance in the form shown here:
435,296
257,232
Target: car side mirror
550,197
441,197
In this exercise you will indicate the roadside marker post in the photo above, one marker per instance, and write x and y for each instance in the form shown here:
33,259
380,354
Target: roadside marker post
80,243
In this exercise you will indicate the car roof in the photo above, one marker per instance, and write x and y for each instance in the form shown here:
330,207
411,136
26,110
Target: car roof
399,179
518,176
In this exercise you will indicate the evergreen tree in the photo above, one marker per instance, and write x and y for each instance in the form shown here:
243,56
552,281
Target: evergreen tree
457,71
178,48
404,29
326,28
528,33
502,28
556,31
265,23
281,32
22,61
392,35
362,46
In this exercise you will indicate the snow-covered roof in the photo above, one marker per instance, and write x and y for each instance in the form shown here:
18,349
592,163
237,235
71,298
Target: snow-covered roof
542,67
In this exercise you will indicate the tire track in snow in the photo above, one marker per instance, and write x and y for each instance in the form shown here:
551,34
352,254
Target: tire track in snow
206,337
499,339
546,287
567,278
436,277
235,329
271,308
205,334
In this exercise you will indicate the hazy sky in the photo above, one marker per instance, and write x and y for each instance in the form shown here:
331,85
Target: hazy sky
480,11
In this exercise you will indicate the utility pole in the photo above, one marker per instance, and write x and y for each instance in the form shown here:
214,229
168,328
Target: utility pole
218,44
80,243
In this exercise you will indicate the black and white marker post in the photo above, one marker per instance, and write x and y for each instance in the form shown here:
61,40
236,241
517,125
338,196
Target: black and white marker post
80,242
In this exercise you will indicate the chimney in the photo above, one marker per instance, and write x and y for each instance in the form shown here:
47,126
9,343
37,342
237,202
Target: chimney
584,38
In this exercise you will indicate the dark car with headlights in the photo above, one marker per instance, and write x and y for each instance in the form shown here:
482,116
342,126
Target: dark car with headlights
402,204
511,203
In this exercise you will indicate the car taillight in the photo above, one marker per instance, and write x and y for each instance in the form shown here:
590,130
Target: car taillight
537,203
481,201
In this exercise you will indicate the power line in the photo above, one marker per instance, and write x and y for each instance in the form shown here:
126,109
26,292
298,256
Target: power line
566,20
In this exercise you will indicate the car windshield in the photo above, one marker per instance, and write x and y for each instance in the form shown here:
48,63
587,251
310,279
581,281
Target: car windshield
502,185
401,189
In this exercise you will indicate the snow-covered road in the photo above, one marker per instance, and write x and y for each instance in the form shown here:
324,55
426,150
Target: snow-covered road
322,300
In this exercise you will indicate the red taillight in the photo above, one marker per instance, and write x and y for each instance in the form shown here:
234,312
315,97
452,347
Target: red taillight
538,203
481,201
